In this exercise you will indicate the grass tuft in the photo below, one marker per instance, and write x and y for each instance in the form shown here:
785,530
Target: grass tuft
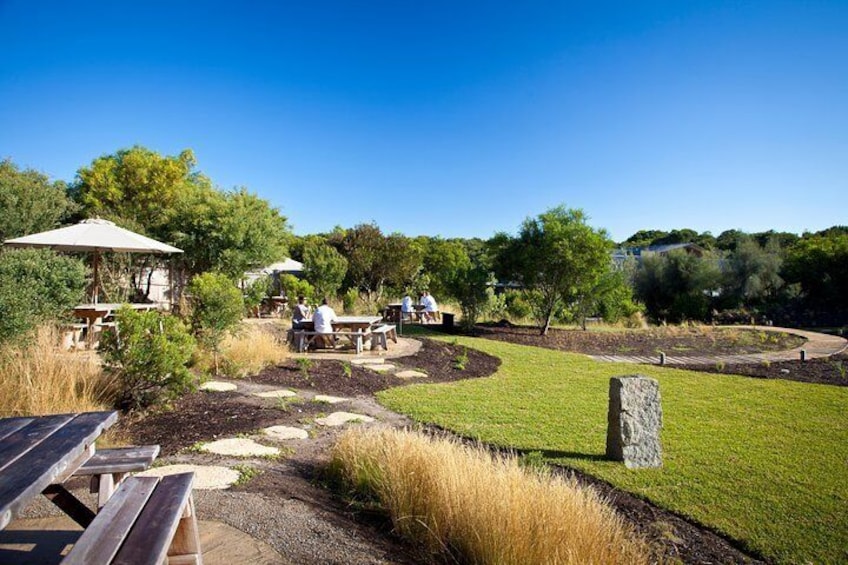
480,508
40,378
250,350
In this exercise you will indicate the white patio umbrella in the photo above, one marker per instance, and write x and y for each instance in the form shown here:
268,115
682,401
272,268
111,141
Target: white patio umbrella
95,236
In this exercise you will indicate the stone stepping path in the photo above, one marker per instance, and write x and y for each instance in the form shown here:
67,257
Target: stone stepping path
342,418
286,432
381,368
282,393
368,361
207,477
329,399
239,447
218,386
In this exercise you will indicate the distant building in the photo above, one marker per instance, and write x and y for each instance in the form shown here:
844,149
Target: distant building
620,255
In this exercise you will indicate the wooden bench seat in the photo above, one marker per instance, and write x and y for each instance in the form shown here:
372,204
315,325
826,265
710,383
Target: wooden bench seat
381,335
109,467
149,520
303,338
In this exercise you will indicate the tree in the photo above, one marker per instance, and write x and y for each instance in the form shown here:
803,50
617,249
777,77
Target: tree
819,264
227,232
558,256
29,202
751,274
443,261
677,286
216,309
323,267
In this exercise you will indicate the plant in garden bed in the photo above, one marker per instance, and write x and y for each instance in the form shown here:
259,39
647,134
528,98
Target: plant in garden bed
216,309
480,508
148,353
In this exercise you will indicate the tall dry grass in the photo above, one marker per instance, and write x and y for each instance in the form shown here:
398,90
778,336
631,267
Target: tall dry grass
252,348
481,508
39,377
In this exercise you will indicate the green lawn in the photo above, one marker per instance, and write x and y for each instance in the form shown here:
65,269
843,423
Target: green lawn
765,462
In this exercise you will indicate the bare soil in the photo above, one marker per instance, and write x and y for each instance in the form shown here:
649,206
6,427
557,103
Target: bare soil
204,416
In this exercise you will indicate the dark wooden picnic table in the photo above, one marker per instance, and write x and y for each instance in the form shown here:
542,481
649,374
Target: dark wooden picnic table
38,453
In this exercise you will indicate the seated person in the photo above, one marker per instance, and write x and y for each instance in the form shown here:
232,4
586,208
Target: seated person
431,309
300,313
406,308
323,321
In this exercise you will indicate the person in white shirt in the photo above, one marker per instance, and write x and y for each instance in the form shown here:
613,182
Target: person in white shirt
323,322
431,308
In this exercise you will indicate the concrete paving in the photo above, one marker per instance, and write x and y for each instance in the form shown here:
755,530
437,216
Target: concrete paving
206,477
239,447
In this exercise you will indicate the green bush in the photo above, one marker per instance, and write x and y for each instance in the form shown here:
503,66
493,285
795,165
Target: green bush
349,300
293,287
37,286
517,307
216,309
149,353
255,292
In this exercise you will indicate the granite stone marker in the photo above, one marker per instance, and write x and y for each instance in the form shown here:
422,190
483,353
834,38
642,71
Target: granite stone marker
634,422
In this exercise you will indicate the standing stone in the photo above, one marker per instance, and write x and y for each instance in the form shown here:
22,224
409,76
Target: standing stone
634,422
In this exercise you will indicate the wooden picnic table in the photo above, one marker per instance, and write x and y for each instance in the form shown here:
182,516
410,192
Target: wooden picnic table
97,311
37,454
355,328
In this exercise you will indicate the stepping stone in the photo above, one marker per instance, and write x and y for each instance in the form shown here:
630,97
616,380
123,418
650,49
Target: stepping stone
207,477
286,432
384,368
410,374
218,386
329,399
282,393
367,361
239,447
342,418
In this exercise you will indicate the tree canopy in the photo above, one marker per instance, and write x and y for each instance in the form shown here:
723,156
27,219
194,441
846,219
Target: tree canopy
29,202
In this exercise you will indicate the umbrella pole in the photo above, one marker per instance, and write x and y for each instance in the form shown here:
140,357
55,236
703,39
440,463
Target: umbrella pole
96,284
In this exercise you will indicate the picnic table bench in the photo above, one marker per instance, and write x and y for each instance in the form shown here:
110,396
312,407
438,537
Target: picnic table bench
149,520
304,338
381,334
109,467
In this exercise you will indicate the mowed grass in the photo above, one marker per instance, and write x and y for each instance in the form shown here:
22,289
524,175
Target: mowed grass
765,462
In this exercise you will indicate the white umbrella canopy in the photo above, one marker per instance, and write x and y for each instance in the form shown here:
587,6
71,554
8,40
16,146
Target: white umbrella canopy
94,235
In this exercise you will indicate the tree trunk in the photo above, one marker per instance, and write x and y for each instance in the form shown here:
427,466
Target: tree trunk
547,325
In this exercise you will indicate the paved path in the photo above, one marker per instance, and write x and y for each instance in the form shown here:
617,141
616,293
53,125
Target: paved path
817,345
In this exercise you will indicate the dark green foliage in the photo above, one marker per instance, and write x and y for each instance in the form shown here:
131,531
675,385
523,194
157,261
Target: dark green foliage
677,286
36,286
819,265
216,309
149,353
323,267
29,202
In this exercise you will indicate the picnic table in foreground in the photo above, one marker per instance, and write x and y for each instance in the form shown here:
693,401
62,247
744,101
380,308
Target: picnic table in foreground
146,519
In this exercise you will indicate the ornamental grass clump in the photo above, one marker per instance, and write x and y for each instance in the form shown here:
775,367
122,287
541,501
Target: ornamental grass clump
482,508
39,377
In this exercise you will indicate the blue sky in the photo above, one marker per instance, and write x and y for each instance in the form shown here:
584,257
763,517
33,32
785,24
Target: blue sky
452,118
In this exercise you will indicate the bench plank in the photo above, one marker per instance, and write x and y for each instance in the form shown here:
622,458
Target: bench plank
119,460
149,540
100,542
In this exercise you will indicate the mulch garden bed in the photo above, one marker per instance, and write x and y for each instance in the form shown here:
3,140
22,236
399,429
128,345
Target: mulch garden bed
203,417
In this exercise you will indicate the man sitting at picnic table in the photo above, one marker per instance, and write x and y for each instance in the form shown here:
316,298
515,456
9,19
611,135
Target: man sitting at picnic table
431,309
300,313
323,321
406,307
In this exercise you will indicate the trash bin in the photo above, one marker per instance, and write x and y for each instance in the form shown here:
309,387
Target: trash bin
447,321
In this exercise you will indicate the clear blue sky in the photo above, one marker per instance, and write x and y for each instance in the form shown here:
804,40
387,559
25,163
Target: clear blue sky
452,118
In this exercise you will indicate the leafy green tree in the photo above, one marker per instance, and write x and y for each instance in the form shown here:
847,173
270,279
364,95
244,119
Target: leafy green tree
677,286
323,267
376,261
216,309
37,286
29,202
444,261
149,353
293,287
137,187
752,274
230,232
557,255
819,264
471,286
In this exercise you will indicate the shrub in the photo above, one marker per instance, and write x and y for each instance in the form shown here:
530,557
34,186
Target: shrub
149,353
216,309
293,287
37,286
